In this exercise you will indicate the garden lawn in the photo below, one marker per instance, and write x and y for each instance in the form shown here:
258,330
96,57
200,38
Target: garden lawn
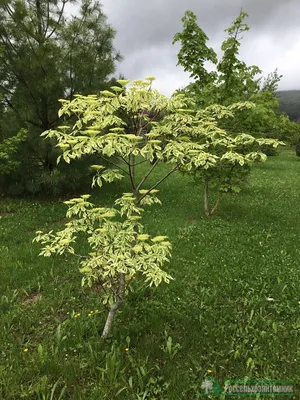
232,310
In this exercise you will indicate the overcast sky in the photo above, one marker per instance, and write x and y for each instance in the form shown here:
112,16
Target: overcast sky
145,29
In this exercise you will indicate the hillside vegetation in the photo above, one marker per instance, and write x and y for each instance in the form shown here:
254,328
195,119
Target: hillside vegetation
289,102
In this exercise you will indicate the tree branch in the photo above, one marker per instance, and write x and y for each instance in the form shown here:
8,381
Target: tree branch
147,174
132,172
138,163
116,165
158,183
58,21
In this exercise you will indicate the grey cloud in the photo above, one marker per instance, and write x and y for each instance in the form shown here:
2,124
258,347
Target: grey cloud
145,30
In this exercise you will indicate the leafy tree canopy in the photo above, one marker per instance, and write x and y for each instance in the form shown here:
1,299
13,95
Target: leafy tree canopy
232,82
135,124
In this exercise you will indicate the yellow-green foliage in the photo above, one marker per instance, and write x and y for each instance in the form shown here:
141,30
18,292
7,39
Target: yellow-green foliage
183,137
126,125
100,129
187,139
117,243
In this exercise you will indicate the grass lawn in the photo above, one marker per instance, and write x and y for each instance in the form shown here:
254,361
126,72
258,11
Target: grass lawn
232,311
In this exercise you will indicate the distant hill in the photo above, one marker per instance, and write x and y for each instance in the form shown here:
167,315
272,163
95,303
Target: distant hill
289,101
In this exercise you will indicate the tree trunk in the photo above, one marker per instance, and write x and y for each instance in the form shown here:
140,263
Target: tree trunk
122,282
206,205
114,307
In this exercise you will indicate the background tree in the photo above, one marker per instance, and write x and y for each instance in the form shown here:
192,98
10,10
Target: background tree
48,55
194,51
232,82
236,153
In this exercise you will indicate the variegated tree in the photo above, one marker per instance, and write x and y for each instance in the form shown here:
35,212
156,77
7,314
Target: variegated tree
127,126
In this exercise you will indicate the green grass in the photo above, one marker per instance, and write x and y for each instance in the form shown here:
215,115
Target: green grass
217,309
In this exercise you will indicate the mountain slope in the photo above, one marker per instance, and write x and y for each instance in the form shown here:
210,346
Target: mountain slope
289,101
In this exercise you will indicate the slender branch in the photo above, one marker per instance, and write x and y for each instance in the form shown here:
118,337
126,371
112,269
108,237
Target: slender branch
48,18
133,122
6,40
71,75
54,122
147,174
140,125
158,183
123,159
82,21
59,19
154,117
206,198
116,165
138,163
23,80
131,170
6,90
79,256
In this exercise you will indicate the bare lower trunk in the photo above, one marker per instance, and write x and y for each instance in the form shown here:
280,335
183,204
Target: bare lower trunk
120,295
206,205
114,307
122,283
